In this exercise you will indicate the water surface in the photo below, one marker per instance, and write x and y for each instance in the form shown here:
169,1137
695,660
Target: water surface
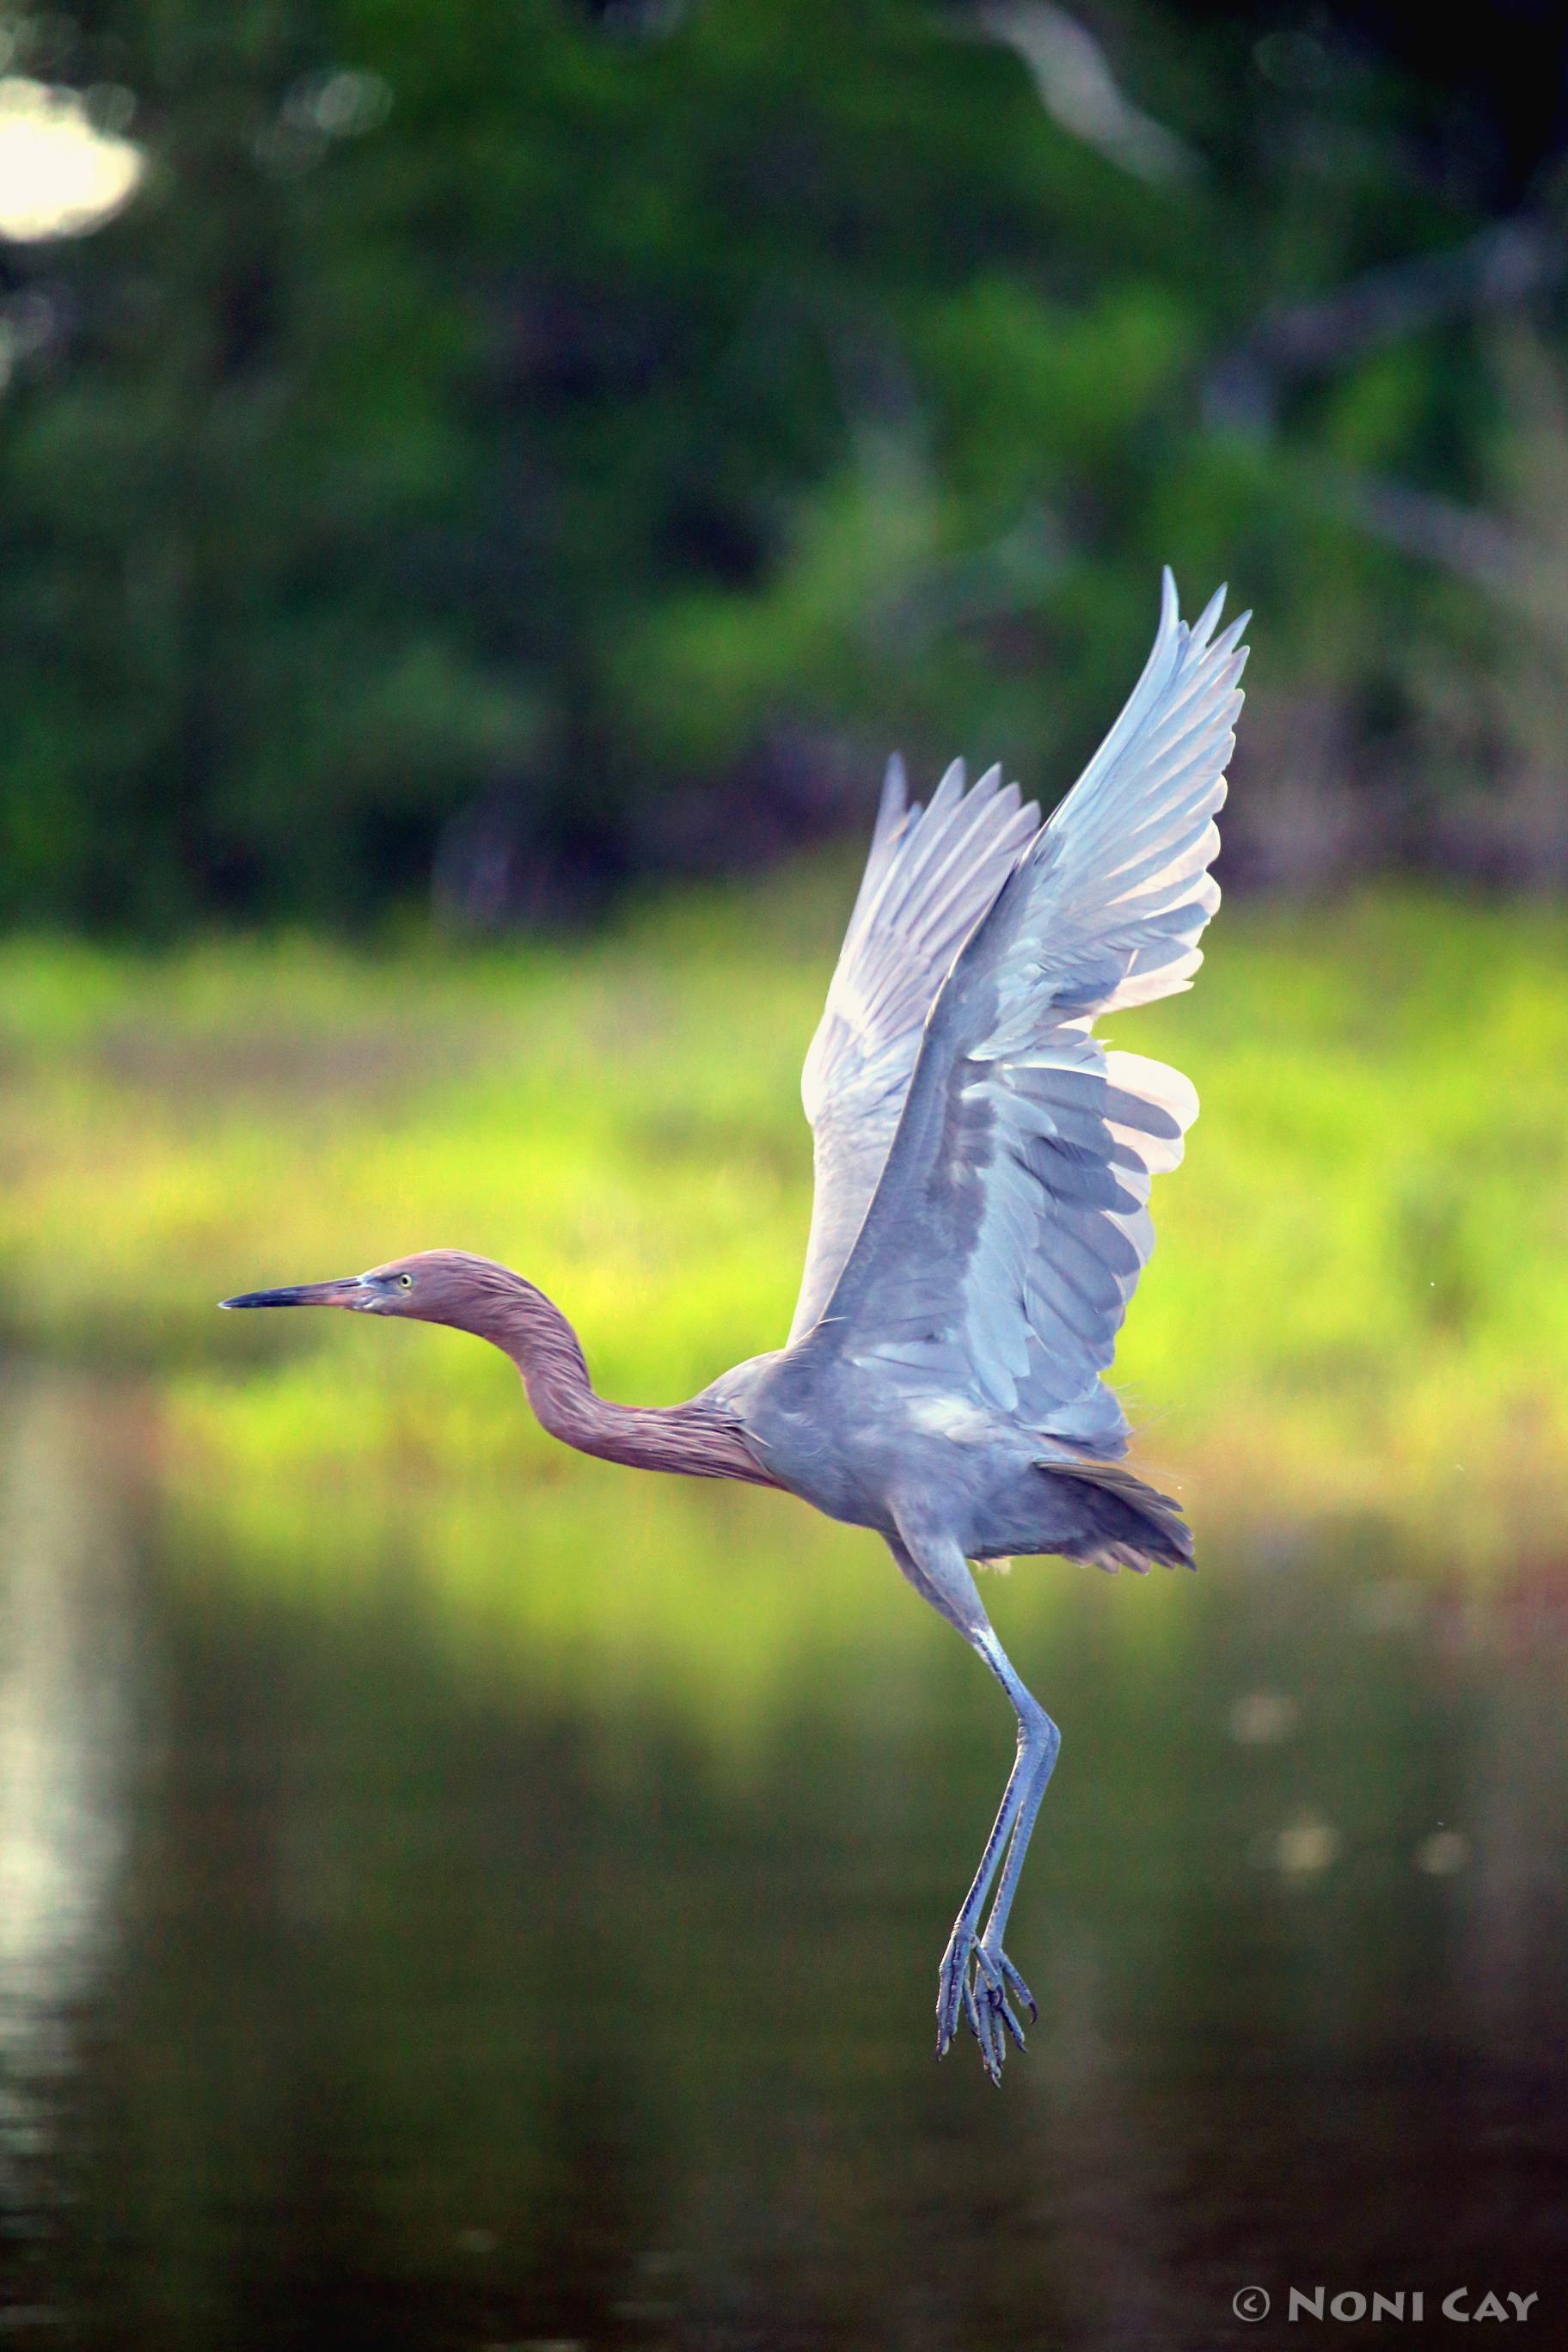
375,1973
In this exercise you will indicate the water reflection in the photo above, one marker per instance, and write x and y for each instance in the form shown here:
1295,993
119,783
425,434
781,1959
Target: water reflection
67,1689
404,1989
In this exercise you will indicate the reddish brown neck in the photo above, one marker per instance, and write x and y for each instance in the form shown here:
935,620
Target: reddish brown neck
696,1439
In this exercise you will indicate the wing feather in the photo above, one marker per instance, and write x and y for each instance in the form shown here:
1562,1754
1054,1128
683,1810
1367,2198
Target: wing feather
931,875
1010,1223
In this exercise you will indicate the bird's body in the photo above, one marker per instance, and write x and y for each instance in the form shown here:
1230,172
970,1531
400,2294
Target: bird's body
834,1429
980,1218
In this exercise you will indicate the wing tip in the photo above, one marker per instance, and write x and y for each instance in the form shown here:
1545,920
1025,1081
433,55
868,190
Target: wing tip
895,797
1199,632
1203,628
955,784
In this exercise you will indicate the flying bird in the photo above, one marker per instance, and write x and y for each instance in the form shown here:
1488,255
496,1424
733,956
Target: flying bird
983,1165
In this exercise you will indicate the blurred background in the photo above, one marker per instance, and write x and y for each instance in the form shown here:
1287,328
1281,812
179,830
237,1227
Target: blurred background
482,490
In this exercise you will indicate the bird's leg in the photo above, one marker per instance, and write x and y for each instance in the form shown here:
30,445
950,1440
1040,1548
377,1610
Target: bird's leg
988,2002
977,1980
1013,1868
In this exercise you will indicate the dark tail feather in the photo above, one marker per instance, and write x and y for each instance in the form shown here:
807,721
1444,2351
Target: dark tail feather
1131,1525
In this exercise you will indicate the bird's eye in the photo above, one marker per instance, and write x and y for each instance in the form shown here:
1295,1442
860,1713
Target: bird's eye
406,1282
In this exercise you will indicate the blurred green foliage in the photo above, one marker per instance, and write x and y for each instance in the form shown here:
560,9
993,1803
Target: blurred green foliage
531,442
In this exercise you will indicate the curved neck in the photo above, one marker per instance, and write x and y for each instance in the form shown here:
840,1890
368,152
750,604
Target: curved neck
696,1439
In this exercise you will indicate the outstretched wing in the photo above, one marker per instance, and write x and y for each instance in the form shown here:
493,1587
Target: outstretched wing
1011,1221
931,875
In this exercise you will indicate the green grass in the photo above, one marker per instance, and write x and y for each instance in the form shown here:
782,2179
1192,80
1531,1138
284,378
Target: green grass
1358,1310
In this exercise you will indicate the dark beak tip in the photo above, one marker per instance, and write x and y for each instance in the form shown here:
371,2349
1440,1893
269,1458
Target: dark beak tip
304,1294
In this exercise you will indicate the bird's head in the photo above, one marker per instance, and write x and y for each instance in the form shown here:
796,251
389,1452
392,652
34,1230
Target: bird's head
432,1287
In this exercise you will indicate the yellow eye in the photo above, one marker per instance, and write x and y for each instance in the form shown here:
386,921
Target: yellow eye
406,1282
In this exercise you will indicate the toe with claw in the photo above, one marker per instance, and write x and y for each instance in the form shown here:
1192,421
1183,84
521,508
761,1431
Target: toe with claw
979,1982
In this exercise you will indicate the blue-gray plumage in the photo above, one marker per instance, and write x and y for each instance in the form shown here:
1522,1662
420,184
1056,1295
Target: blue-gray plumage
981,1214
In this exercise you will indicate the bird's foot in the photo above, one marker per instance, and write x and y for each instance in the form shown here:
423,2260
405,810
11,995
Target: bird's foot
978,1982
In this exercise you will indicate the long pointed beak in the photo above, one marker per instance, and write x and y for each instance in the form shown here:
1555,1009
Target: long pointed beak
348,1291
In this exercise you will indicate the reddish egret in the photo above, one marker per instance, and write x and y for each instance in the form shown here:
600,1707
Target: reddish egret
981,1217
